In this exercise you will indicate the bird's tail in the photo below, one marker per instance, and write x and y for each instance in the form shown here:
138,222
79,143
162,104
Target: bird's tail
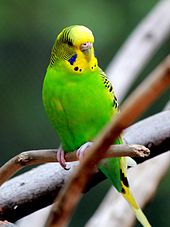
130,199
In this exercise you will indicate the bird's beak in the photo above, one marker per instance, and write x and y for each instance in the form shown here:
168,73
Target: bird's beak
85,47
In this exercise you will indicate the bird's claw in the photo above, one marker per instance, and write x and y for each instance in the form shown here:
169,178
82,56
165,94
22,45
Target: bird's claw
79,153
61,159
82,150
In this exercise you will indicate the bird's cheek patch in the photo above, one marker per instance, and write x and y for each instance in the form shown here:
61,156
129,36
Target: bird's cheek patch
72,59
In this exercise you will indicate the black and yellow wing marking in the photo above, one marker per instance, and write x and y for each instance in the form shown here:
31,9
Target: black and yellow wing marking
109,87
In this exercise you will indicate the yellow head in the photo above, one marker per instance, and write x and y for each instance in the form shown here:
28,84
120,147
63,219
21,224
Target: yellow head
74,46
77,34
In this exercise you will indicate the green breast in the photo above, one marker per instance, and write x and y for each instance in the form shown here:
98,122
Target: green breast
77,105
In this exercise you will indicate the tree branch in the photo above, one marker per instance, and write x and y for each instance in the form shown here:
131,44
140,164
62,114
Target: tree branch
37,188
143,96
145,41
49,155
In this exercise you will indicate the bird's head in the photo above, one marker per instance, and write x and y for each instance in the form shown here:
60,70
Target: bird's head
74,47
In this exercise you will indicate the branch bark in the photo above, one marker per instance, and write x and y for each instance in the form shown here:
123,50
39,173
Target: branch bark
6,224
149,90
37,188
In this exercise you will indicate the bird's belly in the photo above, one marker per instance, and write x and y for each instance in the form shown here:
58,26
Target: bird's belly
81,115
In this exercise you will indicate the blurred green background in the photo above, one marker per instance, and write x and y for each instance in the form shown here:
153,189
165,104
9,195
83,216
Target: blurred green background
27,32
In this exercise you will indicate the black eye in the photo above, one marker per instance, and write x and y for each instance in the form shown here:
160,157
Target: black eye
70,43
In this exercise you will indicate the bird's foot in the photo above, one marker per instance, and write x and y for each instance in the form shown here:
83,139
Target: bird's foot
61,159
82,150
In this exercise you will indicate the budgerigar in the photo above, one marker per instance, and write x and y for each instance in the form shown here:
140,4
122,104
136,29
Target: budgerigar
79,101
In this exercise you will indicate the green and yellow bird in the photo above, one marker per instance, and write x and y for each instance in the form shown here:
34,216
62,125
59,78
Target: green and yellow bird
80,101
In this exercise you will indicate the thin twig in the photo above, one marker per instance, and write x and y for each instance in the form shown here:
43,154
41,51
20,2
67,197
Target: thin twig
49,155
144,95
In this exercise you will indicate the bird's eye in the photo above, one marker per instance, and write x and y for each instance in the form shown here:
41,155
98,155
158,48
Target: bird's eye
70,43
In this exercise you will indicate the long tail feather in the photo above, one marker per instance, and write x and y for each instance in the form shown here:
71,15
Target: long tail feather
135,207
130,199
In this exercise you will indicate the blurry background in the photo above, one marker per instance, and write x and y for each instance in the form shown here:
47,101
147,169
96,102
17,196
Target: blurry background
27,32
